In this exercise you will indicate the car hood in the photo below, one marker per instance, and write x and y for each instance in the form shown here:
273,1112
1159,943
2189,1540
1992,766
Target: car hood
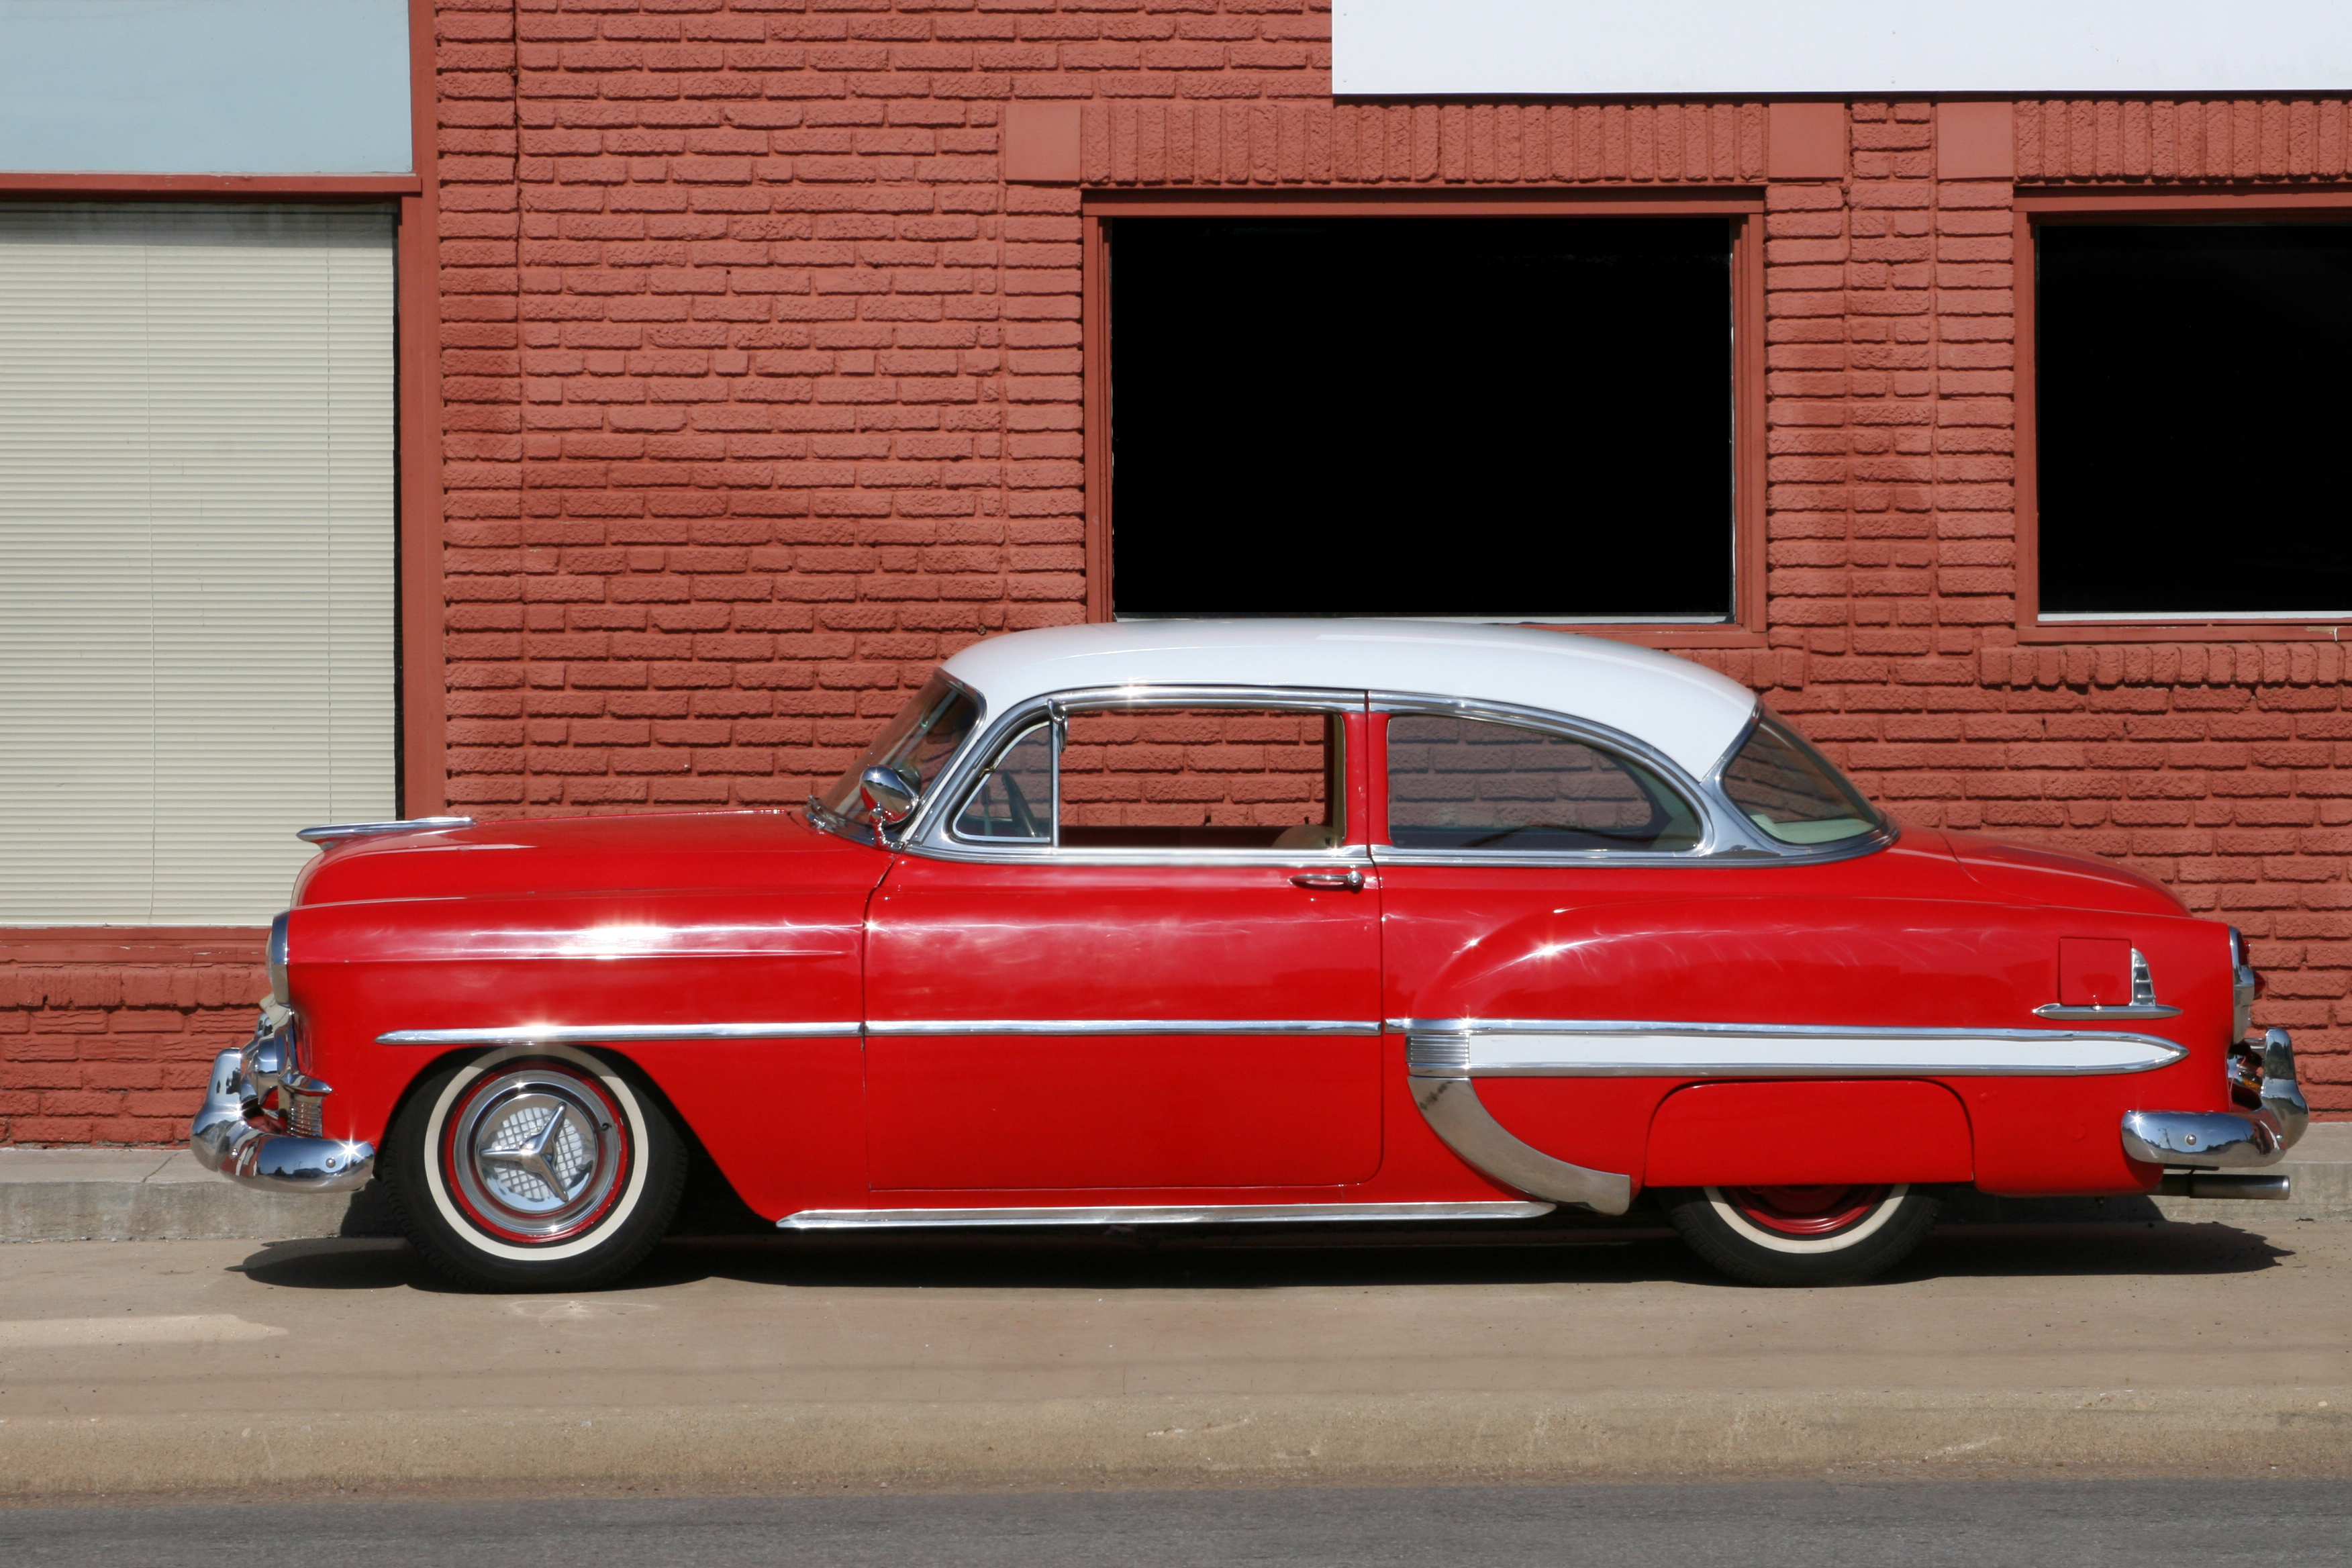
2021,873
714,851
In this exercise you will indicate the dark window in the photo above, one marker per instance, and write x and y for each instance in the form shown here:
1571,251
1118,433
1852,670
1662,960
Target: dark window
1521,418
2192,401
1466,783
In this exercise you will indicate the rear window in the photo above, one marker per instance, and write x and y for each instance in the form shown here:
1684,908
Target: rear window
1793,793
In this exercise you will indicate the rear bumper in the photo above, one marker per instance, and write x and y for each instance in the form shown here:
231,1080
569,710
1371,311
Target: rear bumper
2204,1140
2195,1142
241,1144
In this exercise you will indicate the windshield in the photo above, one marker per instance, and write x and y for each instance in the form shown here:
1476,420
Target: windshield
918,742
1792,792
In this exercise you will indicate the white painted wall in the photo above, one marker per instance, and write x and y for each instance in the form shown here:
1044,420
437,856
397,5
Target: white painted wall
1839,47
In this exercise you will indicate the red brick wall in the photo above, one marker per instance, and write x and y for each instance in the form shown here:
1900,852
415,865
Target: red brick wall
763,394
110,1042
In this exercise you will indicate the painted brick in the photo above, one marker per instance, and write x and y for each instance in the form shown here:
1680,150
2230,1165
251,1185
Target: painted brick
762,395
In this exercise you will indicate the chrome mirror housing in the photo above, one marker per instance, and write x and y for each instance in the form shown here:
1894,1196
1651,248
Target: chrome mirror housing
889,795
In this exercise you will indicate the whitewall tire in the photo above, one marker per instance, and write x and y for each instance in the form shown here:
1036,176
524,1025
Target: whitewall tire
534,1167
1828,1235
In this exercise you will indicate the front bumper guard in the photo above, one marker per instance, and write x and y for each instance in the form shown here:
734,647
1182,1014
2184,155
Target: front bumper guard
234,1134
2197,1142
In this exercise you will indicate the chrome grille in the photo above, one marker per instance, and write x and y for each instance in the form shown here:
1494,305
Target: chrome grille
305,1115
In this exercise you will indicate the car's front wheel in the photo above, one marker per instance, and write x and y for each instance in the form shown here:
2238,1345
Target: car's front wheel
535,1168
1830,1235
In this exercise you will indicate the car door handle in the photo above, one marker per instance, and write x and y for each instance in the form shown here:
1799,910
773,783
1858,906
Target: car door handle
1353,881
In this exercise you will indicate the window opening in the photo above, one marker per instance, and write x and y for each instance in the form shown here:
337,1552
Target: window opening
1501,418
1013,800
1793,793
2190,405
1166,778
1472,784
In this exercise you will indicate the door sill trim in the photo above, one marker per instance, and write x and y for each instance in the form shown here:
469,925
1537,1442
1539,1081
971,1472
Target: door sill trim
1149,1213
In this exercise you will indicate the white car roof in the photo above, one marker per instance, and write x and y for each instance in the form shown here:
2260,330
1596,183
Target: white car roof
1686,710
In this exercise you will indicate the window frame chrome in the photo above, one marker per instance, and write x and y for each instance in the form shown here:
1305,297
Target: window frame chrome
1861,844
931,831
1727,837
1721,837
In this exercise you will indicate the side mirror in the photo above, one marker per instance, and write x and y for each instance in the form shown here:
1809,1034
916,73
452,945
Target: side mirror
889,795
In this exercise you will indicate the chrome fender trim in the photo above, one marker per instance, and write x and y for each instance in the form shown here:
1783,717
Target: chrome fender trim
1439,1070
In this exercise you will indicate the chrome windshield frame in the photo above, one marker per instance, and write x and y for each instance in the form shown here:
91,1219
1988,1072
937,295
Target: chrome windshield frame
824,818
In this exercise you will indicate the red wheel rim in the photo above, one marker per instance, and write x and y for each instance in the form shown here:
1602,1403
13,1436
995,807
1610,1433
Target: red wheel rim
1805,1211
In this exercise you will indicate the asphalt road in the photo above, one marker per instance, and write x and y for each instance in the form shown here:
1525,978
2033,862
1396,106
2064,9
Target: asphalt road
2030,1524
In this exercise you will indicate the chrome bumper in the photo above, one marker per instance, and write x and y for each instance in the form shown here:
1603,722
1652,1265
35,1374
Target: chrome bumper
2229,1139
234,1134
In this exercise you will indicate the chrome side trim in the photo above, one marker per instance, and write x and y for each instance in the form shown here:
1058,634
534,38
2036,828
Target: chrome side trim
1203,1213
335,832
2143,1004
1581,1047
1460,1119
926,1026
588,1034
2204,1140
2092,1015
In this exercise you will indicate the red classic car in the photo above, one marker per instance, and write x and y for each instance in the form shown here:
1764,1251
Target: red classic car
1219,923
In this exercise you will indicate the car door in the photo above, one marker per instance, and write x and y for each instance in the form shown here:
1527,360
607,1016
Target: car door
1137,953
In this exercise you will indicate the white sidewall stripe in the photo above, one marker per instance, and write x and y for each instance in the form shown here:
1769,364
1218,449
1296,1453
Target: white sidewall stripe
1744,1226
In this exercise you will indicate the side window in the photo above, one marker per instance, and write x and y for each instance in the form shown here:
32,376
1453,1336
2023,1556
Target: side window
1013,800
1200,778
1472,784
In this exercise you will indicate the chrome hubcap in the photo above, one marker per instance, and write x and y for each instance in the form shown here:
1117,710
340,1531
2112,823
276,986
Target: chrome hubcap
535,1152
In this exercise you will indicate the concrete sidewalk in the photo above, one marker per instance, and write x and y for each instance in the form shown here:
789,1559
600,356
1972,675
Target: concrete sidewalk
161,1194
815,1363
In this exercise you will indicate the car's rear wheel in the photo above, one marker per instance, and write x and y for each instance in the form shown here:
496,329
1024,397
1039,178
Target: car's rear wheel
1827,1235
535,1168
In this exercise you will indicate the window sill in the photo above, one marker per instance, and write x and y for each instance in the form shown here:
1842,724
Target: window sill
2180,631
133,944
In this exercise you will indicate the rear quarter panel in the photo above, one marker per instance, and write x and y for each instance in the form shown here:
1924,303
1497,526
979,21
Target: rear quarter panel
1902,939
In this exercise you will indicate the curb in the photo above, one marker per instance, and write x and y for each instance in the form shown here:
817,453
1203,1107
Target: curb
1284,1440
159,1194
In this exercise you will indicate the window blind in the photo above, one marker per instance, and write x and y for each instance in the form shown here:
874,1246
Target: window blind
196,553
